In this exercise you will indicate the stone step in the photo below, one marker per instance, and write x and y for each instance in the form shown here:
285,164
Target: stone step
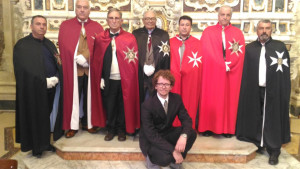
86,146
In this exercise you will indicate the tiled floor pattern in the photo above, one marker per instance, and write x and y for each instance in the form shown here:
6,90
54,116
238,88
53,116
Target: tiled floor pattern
50,160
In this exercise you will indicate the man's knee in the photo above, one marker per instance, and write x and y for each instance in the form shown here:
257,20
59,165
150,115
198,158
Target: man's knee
162,160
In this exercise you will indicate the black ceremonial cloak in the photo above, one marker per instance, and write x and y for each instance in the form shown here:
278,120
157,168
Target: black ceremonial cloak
32,110
276,129
159,37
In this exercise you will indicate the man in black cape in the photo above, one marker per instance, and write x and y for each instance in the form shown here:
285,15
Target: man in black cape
37,72
153,46
263,113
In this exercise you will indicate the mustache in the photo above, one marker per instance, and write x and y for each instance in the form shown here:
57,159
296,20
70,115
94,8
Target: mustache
264,34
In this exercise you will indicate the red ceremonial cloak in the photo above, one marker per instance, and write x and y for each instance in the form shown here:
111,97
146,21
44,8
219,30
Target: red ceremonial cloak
69,34
188,75
220,89
127,57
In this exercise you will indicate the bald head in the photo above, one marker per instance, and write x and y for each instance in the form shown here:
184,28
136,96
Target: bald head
82,9
224,15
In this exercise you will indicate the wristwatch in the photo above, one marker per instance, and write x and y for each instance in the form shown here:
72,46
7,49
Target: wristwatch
184,135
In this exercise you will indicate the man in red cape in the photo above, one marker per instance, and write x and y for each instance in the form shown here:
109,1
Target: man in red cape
186,67
76,38
114,68
223,56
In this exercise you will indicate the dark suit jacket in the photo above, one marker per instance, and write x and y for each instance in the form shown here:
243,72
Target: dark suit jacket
156,124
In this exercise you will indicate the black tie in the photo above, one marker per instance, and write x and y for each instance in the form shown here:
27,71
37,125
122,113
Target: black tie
112,35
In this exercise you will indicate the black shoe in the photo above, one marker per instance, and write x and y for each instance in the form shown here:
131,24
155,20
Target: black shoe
260,150
109,136
37,155
121,136
207,133
51,148
273,160
227,135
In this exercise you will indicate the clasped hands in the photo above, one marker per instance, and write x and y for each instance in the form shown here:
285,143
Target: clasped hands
80,59
179,148
149,69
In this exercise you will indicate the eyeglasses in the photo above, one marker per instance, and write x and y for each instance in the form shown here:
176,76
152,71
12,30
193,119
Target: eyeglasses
163,84
112,18
150,19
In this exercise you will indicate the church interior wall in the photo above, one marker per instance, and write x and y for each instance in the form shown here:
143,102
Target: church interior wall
15,16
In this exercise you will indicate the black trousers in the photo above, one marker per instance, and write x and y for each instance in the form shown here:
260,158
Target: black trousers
271,150
51,95
82,89
114,105
163,158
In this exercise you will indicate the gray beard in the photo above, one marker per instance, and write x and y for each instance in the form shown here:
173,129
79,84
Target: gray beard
264,38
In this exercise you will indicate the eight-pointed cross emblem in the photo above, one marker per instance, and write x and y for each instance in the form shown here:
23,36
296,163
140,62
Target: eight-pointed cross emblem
164,48
235,47
279,61
195,59
130,55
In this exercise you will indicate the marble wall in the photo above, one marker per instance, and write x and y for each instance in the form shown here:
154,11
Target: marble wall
246,14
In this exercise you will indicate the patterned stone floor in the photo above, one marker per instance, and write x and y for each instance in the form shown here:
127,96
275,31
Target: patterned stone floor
9,149
52,161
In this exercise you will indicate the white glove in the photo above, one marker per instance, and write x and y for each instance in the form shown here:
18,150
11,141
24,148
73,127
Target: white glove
51,82
102,84
80,59
149,70
227,67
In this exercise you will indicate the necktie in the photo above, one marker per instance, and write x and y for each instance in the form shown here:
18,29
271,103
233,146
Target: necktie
82,28
166,106
149,42
262,67
223,43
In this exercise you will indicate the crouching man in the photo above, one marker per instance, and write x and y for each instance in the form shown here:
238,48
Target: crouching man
161,143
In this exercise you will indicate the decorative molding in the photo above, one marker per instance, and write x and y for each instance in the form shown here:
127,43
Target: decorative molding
210,5
168,11
103,5
58,4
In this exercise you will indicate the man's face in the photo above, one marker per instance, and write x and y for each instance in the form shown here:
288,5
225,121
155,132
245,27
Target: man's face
264,31
82,9
224,16
185,27
149,20
114,21
163,87
39,27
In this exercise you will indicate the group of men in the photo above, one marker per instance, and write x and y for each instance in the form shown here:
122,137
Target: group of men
168,88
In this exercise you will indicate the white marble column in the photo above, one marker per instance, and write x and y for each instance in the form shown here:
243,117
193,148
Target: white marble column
7,80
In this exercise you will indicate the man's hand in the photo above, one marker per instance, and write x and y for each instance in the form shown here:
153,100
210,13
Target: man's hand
102,84
227,67
178,157
51,82
149,70
181,143
80,59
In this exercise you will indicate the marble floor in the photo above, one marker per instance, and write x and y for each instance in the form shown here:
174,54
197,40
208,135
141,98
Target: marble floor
52,161
9,149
